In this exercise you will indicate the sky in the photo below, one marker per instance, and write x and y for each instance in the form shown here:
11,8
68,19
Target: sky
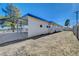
57,12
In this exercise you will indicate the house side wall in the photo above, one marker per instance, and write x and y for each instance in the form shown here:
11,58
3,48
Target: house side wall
34,27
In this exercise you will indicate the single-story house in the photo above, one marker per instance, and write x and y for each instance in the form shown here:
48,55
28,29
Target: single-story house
38,26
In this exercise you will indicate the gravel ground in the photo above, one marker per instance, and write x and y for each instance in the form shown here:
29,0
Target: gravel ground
58,44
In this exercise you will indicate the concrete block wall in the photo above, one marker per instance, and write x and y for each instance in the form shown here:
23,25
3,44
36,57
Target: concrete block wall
6,37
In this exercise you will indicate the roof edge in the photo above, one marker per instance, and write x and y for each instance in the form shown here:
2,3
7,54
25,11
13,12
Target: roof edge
28,14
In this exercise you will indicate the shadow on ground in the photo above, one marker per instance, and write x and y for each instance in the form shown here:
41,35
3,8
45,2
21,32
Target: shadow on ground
43,35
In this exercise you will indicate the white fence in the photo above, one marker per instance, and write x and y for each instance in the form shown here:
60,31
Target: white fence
7,35
76,31
11,36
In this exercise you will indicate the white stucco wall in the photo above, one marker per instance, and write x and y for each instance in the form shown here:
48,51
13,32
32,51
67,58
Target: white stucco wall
7,37
34,27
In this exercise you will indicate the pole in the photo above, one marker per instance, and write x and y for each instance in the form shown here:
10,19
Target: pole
77,23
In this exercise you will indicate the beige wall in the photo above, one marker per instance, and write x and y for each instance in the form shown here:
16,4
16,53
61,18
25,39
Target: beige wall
34,27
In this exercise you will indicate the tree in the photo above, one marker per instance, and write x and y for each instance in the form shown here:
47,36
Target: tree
67,22
12,13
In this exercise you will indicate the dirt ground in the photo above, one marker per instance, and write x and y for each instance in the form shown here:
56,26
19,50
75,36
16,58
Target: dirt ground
58,44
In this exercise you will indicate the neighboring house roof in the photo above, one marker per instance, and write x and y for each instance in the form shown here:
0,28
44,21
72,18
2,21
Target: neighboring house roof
2,20
35,17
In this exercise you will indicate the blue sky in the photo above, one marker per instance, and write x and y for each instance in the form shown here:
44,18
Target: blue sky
56,12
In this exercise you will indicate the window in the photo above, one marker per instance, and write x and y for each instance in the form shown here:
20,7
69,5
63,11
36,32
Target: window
41,26
48,26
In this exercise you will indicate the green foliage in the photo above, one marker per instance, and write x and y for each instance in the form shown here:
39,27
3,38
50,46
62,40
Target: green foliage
67,22
8,24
